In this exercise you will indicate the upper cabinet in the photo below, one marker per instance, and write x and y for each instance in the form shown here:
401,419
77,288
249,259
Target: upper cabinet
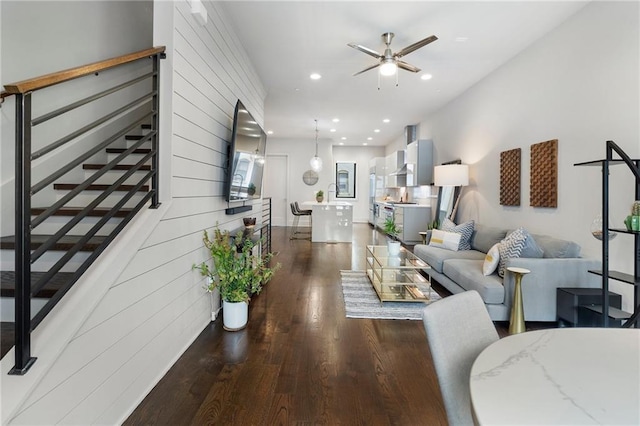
420,163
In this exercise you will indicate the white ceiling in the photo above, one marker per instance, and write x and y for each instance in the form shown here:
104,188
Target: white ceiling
288,40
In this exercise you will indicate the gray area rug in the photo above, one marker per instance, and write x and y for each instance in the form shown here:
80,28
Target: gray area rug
361,300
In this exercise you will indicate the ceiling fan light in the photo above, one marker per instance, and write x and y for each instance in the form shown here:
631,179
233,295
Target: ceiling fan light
388,68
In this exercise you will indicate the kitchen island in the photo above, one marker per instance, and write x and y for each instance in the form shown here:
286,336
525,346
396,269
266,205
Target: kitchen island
332,222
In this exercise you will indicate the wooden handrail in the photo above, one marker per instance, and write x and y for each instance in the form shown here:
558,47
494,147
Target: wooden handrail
66,75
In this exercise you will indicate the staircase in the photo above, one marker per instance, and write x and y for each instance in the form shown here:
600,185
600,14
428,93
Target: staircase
46,287
71,203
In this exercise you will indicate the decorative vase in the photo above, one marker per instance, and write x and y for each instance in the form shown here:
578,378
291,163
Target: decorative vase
596,229
393,247
235,315
319,198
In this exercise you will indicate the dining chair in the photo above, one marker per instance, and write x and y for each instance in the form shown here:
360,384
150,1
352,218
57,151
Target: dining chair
458,328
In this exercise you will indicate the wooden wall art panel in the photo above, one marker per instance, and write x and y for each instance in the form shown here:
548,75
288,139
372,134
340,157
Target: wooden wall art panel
510,177
544,174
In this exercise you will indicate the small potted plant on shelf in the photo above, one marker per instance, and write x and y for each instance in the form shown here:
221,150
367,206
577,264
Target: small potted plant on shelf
430,227
237,273
393,246
320,196
251,189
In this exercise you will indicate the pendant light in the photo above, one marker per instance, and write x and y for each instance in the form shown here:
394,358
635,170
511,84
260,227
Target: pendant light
316,162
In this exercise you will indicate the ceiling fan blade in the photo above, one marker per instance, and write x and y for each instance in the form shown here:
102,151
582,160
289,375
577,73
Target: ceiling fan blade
415,46
367,69
365,50
406,66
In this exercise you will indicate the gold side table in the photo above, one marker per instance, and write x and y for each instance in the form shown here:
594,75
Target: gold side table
516,321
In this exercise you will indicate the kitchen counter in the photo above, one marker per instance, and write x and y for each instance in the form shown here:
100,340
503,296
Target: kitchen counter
410,205
410,218
331,222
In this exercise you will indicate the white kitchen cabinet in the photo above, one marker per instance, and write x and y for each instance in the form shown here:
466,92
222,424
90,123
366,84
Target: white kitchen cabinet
420,163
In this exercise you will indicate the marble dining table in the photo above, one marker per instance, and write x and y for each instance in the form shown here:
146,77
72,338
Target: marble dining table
565,376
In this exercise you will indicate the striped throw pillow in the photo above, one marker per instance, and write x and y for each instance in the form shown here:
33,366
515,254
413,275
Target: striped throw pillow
445,240
510,248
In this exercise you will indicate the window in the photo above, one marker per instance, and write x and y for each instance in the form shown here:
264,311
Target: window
346,179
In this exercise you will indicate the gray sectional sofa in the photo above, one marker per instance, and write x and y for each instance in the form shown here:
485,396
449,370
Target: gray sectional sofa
560,266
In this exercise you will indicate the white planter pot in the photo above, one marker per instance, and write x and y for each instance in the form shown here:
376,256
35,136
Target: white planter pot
234,315
393,247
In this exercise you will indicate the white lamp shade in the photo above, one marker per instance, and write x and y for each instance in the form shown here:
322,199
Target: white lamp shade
316,163
388,68
451,175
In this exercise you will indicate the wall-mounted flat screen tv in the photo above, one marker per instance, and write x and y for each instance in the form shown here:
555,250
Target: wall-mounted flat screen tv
246,157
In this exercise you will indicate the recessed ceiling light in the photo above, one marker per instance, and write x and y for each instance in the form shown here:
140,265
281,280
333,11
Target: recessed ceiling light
369,138
426,77
462,39
376,130
335,120
315,76
386,120
364,143
332,130
344,138
269,132
341,143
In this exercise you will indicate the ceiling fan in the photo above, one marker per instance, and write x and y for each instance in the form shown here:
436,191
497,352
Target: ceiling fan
390,62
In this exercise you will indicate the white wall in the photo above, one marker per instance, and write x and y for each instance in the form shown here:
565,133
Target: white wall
42,37
301,151
578,84
156,305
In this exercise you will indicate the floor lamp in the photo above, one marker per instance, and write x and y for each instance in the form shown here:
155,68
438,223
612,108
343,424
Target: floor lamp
452,175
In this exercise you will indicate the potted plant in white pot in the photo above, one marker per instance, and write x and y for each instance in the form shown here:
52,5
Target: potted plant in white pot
237,273
393,246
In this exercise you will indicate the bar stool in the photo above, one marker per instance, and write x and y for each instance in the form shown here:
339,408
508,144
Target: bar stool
296,218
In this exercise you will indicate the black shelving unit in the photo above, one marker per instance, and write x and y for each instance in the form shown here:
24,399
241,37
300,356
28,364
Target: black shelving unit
609,313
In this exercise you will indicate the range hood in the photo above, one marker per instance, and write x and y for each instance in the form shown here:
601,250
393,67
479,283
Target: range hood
410,134
402,171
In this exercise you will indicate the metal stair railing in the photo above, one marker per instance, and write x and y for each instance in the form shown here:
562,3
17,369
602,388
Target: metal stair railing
127,118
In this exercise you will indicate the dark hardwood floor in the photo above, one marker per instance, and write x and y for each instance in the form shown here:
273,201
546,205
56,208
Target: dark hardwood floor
300,360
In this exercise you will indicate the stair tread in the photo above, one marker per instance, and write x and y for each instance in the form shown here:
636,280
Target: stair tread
91,166
66,242
8,282
72,211
121,150
97,187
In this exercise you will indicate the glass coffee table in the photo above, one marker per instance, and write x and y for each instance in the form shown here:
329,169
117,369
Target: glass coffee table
397,278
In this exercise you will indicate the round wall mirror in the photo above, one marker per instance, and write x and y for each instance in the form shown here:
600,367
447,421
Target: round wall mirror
310,177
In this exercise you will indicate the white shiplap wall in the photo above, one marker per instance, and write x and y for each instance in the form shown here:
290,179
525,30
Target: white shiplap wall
156,306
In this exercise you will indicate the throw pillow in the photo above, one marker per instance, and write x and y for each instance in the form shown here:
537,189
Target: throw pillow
491,260
445,240
531,248
464,229
511,247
